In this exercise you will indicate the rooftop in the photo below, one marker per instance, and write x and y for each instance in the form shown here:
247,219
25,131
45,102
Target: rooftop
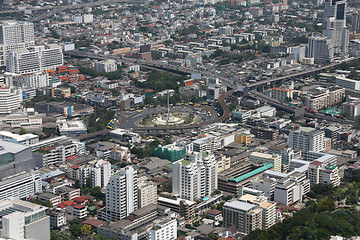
252,173
240,205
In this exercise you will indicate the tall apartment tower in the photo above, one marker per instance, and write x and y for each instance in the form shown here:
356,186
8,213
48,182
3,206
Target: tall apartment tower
335,26
321,49
34,59
195,176
121,195
307,139
355,24
14,35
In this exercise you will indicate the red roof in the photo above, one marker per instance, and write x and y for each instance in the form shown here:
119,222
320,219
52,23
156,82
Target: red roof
47,148
93,222
316,163
80,199
214,212
79,206
62,68
69,203
61,205
148,90
75,166
71,157
160,179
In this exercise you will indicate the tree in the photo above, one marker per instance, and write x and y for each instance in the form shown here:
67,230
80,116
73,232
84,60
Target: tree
22,131
86,230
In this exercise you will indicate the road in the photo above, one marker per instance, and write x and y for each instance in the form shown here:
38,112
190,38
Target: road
68,7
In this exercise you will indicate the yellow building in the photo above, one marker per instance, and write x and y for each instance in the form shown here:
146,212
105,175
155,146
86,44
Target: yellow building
243,139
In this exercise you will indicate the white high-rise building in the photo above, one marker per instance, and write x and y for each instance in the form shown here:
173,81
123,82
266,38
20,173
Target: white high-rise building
121,195
36,80
165,230
195,176
14,35
34,59
307,139
99,172
88,18
147,192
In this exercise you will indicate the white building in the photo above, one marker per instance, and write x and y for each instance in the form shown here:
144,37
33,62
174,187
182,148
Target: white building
165,230
106,66
121,195
10,99
25,139
71,127
14,35
24,220
323,173
195,177
227,31
98,171
34,59
267,158
88,18
147,192
36,80
307,139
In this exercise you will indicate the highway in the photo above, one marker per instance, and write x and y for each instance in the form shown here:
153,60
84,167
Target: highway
68,7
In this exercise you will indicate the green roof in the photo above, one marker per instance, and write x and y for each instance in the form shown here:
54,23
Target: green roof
119,174
329,167
252,173
185,162
204,154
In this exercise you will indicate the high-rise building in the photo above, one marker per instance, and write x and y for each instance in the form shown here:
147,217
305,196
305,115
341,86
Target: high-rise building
34,59
147,192
335,26
321,49
121,195
195,176
23,220
97,171
14,35
355,25
307,139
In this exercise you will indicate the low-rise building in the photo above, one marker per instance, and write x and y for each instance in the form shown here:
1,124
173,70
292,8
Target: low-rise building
267,158
72,128
164,230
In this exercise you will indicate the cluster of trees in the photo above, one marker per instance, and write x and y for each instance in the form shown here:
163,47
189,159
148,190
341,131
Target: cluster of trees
162,101
99,119
147,151
93,73
159,81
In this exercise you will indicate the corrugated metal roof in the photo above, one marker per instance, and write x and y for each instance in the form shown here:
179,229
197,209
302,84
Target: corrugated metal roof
252,173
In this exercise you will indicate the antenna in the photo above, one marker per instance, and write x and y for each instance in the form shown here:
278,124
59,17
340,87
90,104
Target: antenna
168,108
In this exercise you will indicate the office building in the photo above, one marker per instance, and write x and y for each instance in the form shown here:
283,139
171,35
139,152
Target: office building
269,208
335,26
244,216
23,220
165,230
321,49
307,139
34,59
121,195
98,171
351,109
14,35
73,128
147,192
265,133
195,177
